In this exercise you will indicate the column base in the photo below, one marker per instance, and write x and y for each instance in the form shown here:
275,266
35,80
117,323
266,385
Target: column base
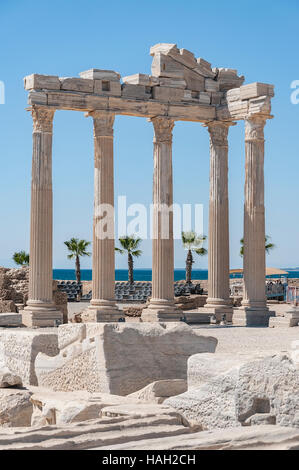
220,309
162,311
258,317
41,315
103,311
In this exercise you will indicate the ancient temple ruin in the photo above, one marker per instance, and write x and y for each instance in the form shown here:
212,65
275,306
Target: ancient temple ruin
180,88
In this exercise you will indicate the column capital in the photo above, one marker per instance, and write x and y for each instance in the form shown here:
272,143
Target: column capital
163,129
218,131
254,128
103,122
42,119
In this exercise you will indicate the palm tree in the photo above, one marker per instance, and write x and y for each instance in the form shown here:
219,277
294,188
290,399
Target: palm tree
130,245
268,245
193,243
21,258
77,248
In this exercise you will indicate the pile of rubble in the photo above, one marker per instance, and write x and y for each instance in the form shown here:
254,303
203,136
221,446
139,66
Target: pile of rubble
14,289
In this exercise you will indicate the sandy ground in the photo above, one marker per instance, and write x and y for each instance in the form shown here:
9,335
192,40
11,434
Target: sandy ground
238,338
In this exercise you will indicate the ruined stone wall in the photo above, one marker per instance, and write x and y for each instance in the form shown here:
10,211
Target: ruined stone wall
14,288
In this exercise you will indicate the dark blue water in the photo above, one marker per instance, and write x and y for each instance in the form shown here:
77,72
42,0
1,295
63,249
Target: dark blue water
142,274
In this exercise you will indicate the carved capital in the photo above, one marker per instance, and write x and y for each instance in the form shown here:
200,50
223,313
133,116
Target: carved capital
42,119
163,129
254,128
103,122
218,133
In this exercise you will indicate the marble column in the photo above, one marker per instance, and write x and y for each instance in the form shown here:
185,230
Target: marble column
254,301
218,302
40,310
102,307
162,307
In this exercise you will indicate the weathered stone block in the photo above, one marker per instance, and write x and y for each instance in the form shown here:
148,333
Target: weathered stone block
211,85
19,348
141,79
40,82
254,90
93,361
136,91
107,87
168,94
7,306
10,319
98,74
15,408
227,390
77,84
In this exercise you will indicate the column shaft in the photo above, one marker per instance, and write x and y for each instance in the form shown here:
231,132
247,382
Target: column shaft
102,307
40,310
162,307
254,299
218,278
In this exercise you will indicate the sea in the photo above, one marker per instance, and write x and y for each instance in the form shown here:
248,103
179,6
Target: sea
146,274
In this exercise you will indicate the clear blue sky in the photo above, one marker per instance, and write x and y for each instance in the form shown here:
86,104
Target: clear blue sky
259,38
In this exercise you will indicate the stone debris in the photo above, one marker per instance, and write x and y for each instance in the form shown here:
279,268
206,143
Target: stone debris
158,391
15,407
106,431
61,408
10,319
8,379
20,346
233,390
93,354
14,289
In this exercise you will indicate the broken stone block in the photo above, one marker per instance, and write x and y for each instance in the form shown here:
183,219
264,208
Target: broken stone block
204,97
98,74
163,48
107,87
157,392
146,351
15,408
211,85
37,97
194,81
8,379
40,82
230,391
20,346
172,82
165,66
136,91
141,79
254,90
168,94
10,319
77,84
61,408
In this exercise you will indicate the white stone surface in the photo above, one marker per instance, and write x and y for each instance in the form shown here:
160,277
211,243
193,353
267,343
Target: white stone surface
19,348
239,389
121,358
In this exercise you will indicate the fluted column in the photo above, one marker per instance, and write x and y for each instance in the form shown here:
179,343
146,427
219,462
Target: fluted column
161,306
102,306
218,301
254,300
40,310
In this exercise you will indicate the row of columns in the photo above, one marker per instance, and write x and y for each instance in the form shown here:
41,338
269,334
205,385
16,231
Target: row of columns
40,310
